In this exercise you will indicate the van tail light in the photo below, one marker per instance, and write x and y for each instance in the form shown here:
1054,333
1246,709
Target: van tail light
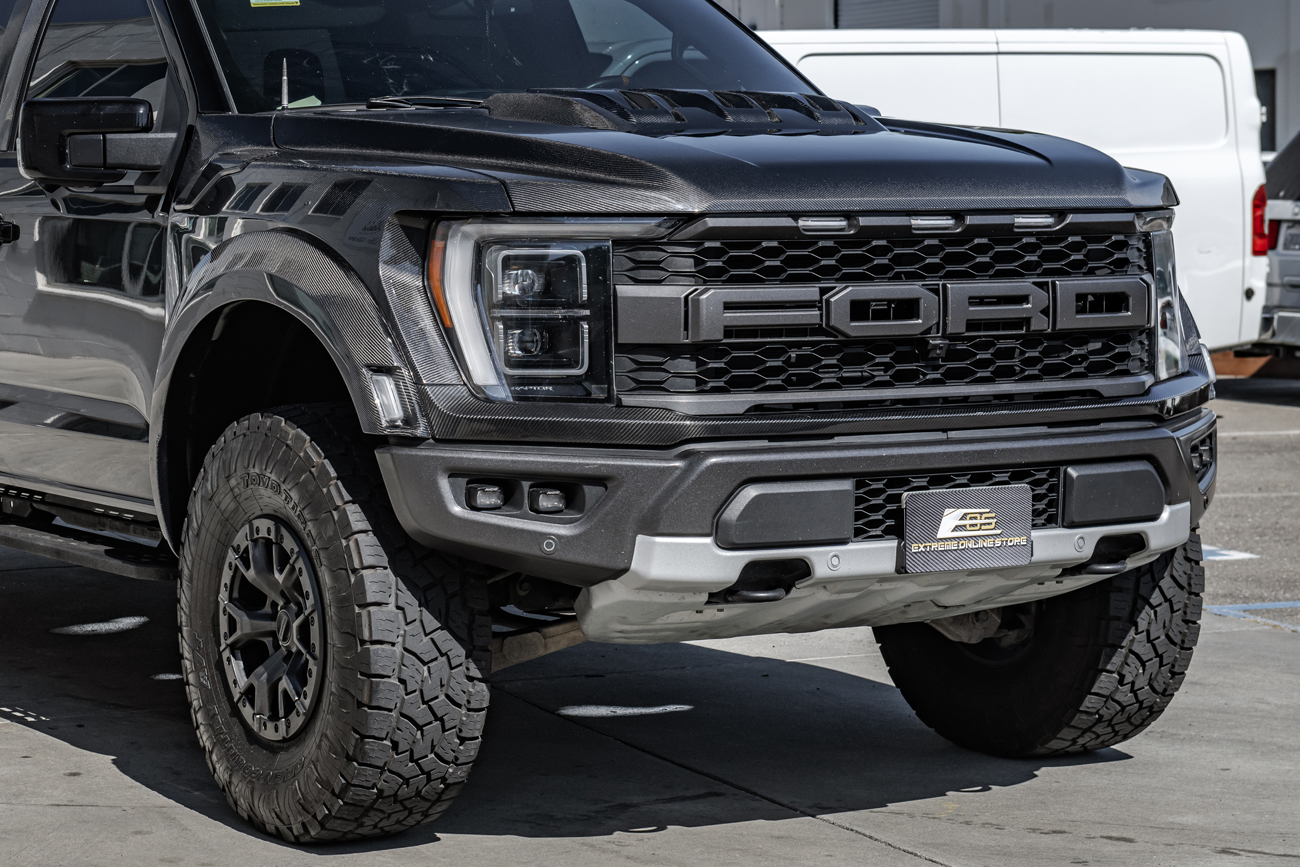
1264,231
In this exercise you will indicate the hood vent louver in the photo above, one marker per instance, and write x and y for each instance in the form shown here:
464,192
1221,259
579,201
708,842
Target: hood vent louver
683,112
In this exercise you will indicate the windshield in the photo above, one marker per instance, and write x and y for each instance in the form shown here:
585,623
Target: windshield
336,51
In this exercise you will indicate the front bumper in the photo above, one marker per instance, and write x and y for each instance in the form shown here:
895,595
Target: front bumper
644,539
625,494
664,596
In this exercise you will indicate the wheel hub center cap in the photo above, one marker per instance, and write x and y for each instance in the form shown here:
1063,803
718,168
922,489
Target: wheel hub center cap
284,627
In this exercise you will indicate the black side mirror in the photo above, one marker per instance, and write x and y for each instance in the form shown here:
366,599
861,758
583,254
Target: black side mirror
84,142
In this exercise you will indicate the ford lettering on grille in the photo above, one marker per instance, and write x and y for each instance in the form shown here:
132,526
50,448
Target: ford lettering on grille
693,314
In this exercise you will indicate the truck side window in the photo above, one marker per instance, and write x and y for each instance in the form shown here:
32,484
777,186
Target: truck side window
101,48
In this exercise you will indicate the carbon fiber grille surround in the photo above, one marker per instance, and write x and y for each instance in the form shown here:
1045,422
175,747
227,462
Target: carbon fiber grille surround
823,260
878,500
829,365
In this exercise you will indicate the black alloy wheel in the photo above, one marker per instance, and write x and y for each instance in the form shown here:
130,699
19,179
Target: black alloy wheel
336,670
272,629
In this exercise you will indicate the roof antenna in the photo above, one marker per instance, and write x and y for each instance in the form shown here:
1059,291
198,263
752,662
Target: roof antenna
284,83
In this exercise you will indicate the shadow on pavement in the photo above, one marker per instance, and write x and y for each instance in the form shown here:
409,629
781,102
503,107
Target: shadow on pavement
761,736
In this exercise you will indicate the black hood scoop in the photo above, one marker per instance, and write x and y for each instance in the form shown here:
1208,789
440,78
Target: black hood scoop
683,112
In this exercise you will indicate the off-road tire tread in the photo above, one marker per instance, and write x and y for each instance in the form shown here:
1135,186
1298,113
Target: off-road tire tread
1148,640
1140,644
414,712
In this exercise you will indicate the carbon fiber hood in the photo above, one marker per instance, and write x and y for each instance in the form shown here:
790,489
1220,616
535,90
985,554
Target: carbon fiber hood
887,166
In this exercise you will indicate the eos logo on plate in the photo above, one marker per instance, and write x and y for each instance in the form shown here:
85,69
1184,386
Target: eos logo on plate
958,523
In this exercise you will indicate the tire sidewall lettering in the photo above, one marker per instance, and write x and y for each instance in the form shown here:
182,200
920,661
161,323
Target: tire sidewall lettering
309,788
253,479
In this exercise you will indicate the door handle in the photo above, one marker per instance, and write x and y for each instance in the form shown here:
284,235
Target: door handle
8,231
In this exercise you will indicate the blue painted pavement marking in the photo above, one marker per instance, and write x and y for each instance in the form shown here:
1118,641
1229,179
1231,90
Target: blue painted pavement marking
1239,612
1258,606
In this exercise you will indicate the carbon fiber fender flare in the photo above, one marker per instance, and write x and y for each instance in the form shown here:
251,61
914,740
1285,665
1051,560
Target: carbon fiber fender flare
286,271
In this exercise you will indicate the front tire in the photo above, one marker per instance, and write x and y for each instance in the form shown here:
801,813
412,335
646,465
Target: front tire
335,671
1078,672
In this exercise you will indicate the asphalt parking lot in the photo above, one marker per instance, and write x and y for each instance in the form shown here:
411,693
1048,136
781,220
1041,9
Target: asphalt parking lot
775,750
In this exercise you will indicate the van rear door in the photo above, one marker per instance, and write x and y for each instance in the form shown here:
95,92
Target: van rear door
1165,108
944,76
1177,102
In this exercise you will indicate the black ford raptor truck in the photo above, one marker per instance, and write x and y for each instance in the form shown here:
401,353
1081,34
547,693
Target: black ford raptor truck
418,338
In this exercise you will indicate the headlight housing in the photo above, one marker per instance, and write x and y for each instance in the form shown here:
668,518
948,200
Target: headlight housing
1176,340
526,307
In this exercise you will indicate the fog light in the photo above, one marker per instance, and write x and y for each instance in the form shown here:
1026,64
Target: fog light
546,500
485,498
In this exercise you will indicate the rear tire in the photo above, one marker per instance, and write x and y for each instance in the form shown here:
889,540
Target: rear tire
1099,665
351,714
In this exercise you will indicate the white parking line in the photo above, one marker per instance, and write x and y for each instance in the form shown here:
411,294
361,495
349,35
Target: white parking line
1261,494
24,715
1211,553
600,710
121,624
1259,433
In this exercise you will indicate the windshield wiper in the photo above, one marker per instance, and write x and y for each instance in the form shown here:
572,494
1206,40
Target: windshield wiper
420,102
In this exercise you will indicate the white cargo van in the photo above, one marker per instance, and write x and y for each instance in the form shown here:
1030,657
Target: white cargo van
1179,102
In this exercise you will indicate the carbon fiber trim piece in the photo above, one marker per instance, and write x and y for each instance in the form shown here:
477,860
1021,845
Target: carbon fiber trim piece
305,278
457,415
711,404
967,528
401,270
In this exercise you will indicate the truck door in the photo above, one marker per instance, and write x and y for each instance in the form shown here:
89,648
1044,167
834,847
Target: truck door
81,290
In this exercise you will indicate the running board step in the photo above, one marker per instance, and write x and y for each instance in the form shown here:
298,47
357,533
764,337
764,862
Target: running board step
81,548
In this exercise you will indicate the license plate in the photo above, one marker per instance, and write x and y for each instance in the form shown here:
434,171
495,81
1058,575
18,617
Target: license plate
967,528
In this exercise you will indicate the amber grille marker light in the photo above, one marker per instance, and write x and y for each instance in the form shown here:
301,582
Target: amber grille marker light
437,252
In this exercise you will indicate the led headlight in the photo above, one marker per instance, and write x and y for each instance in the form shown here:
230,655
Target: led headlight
526,307
1172,335
539,307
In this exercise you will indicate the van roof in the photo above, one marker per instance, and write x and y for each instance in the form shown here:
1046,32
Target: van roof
1002,37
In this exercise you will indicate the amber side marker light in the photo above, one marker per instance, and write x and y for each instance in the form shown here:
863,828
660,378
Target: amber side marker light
437,252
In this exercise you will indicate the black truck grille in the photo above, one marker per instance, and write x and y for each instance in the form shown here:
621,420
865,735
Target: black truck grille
868,260
897,317
828,365
878,501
